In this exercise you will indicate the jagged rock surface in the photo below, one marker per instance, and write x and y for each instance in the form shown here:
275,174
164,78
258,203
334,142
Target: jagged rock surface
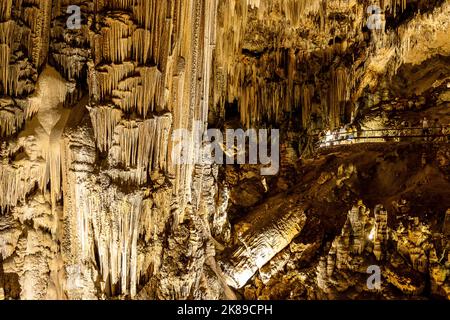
93,204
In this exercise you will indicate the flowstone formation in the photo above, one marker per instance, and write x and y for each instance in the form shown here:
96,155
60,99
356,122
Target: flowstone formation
96,204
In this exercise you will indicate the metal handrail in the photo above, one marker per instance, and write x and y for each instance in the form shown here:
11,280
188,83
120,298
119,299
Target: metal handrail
390,129
406,132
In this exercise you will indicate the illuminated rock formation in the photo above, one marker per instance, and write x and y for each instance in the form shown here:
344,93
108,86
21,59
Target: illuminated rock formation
262,241
95,205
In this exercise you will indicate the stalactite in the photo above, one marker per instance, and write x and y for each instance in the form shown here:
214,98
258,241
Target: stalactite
143,144
295,10
104,121
7,30
37,16
337,95
17,181
4,67
114,41
401,48
109,76
5,10
141,94
115,221
71,68
253,81
144,60
11,118
153,15
307,92
107,222
393,4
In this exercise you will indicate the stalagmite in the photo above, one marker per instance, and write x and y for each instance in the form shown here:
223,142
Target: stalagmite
261,242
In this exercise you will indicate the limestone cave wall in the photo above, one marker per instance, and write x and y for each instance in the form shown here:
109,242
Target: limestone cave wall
95,204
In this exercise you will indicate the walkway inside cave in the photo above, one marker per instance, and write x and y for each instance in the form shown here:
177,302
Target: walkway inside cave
413,134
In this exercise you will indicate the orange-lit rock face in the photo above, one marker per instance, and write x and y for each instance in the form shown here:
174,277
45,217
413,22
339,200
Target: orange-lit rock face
93,204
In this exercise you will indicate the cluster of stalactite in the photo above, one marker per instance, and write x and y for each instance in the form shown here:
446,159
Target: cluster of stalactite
268,79
297,58
112,214
145,61
23,48
141,65
24,31
102,158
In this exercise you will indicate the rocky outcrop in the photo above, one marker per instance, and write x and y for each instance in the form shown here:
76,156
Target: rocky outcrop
395,250
260,240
